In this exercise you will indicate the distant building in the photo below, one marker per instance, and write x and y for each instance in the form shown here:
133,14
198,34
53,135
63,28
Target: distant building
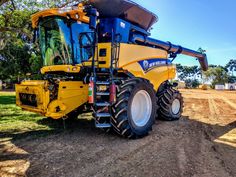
230,86
227,86
220,87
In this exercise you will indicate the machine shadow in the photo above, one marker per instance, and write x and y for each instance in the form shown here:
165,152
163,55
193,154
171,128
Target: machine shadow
54,127
214,131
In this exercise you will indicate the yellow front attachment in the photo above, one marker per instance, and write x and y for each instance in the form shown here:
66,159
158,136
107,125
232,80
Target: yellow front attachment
34,96
71,95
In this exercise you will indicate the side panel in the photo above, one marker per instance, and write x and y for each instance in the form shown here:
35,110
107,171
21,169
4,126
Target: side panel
130,53
146,62
71,95
156,76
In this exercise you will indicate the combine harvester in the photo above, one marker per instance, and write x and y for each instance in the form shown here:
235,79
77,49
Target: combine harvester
98,57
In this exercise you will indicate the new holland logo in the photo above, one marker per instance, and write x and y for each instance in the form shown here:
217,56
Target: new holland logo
145,65
148,65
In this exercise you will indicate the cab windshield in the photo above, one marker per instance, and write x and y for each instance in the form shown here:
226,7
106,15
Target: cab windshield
61,42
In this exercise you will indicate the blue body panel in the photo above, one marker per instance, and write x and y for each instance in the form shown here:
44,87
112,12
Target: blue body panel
118,26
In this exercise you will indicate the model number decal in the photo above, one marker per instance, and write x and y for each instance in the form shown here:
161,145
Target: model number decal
150,64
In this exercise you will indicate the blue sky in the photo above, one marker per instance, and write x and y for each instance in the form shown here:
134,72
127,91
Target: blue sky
210,24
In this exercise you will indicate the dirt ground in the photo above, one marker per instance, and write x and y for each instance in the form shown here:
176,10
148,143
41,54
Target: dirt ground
201,144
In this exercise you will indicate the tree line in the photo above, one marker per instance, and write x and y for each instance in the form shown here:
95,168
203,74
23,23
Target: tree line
193,76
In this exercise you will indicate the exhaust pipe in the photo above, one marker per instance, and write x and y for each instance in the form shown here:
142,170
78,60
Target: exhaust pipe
172,48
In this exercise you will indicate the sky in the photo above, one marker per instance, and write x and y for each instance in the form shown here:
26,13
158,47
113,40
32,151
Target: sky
209,24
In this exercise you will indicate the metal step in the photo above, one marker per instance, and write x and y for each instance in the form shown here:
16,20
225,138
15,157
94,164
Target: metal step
103,125
102,83
103,93
103,115
103,104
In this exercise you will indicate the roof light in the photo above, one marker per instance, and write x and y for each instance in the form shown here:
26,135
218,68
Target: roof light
64,10
76,16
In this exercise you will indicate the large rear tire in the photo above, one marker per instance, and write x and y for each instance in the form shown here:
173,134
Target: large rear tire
170,103
135,109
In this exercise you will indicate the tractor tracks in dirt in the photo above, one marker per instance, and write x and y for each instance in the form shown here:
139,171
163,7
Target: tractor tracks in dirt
220,108
233,105
212,105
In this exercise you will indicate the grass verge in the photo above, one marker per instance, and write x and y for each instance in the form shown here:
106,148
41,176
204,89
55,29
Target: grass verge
14,121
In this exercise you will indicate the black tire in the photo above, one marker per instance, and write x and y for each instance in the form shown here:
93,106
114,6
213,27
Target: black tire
165,100
122,120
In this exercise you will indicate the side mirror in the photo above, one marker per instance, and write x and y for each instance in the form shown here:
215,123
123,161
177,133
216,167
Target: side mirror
93,15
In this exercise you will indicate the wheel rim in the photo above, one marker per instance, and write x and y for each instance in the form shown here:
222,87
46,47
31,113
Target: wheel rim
175,106
141,108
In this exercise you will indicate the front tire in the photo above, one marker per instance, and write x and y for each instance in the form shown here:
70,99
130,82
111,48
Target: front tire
170,103
135,110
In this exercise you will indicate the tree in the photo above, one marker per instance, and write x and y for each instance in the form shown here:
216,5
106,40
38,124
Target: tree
192,83
231,66
18,55
232,79
16,52
3,2
216,75
189,74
